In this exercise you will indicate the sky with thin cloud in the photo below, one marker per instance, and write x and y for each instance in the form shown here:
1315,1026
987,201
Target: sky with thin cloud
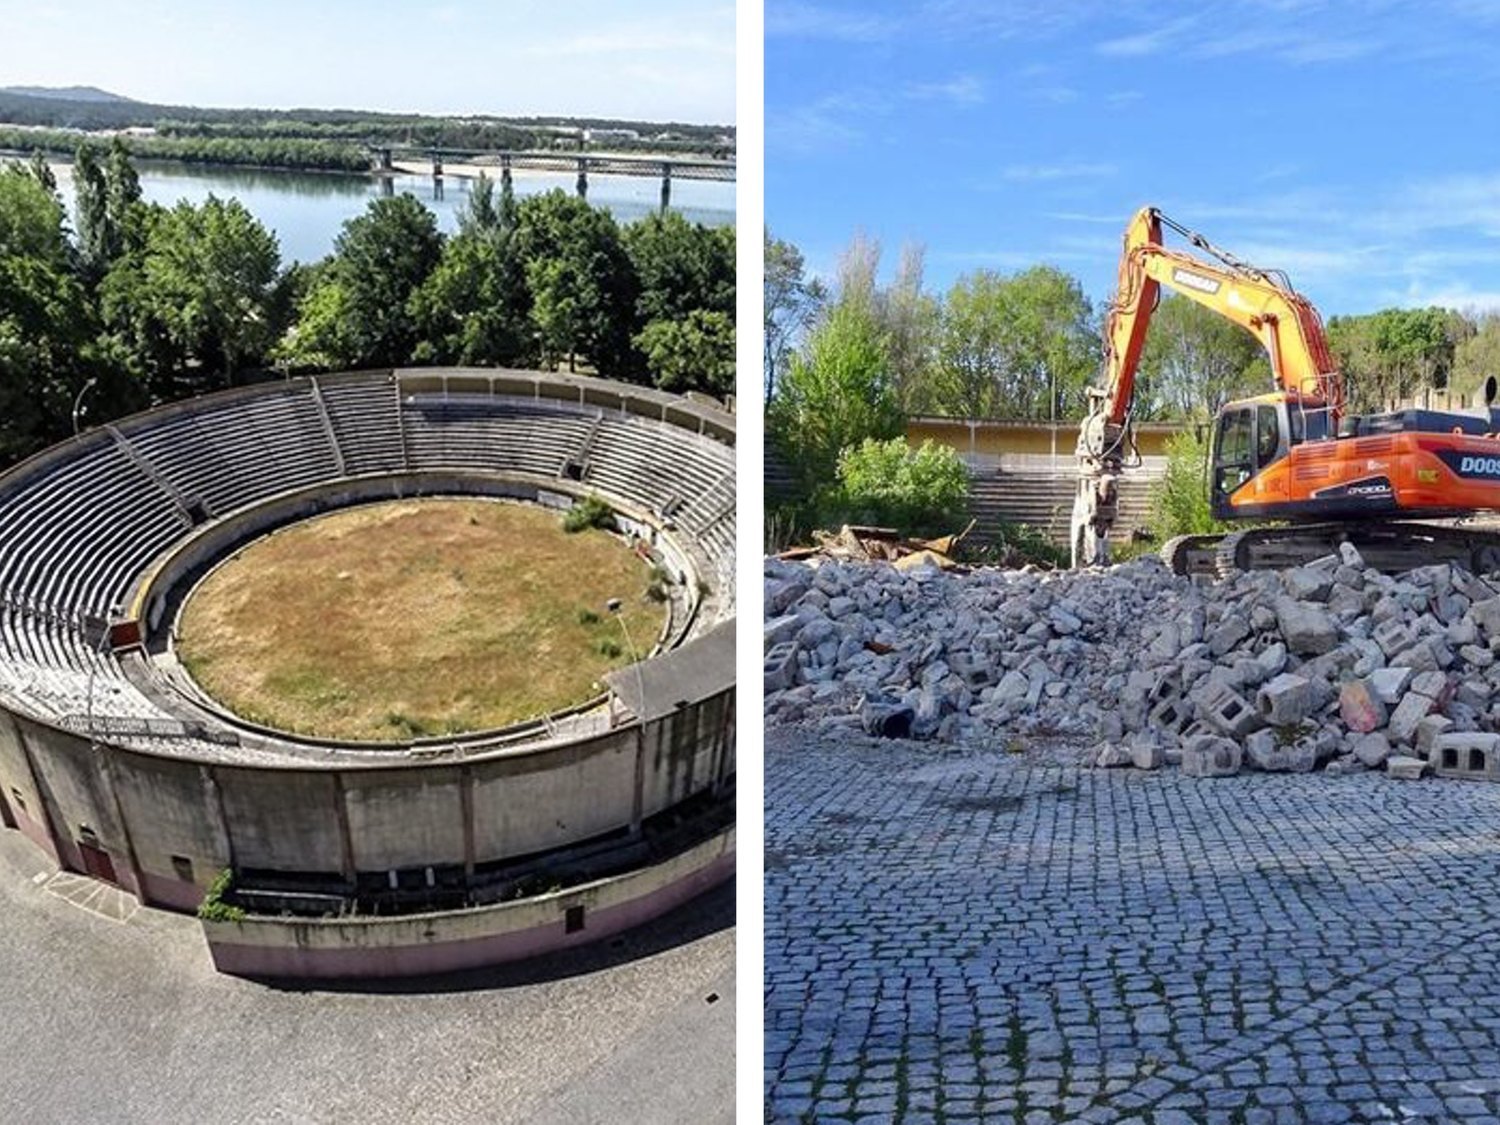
1348,142
657,60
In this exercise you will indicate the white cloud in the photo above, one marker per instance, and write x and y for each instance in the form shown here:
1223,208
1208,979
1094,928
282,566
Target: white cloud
1032,173
1147,42
809,21
964,89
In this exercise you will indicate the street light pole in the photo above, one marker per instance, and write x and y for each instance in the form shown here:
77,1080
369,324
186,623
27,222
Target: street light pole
78,402
616,608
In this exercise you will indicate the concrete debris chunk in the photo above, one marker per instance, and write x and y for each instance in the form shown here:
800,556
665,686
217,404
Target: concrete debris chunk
1361,707
1210,755
1403,767
1285,700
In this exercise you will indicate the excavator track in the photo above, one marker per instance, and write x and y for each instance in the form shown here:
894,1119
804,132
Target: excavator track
1390,547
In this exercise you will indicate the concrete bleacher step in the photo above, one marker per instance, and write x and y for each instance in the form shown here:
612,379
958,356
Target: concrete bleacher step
1044,501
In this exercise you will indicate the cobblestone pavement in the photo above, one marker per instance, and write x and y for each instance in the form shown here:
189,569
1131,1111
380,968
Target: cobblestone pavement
973,936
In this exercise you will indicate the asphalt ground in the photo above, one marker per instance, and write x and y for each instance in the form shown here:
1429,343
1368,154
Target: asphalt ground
104,1020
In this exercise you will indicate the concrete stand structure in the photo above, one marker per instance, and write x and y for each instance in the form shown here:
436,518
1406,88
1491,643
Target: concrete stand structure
391,857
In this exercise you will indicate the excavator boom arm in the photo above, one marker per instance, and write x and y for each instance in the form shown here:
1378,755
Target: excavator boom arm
1285,323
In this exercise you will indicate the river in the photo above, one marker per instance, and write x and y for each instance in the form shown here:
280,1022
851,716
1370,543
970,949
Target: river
306,209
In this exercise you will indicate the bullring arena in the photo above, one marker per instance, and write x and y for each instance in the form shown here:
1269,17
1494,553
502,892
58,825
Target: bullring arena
421,847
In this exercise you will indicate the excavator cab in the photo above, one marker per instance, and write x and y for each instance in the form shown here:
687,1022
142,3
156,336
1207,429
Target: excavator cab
1249,436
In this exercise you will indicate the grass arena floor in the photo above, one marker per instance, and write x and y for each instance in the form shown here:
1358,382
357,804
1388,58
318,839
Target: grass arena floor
416,617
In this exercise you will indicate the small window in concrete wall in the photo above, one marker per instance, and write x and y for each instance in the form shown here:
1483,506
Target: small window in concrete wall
573,920
183,868
15,795
86,835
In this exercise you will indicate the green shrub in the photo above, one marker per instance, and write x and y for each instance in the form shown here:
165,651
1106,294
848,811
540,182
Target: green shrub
588,617
213,908
609,649
890,484
1014,545
586,513
1179,501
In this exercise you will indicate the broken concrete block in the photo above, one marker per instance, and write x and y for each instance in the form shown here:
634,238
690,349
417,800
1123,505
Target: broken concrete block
1403,767
1372,750
886,720
1413,708
1345,765
1467,754
1307,628
1390,684
1147,755
1349,555
1226,710
1211,755
1360,707
1392,635
1285,700
1227,635
1429,729
1434,685
780,666
1172,715
1486,615
1266,751
1308,583
1111,756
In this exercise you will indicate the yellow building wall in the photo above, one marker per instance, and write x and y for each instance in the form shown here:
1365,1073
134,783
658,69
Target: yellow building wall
987,439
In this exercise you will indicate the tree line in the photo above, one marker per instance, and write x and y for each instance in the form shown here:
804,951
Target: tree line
1023,345
295,153
142,304
848,360
478,131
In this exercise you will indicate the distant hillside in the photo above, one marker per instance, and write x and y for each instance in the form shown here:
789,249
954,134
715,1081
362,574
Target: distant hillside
66,93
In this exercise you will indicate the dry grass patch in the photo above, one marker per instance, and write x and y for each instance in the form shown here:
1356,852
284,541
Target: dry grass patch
416,617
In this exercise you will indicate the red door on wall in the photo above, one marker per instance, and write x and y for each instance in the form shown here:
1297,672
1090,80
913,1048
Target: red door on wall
96,862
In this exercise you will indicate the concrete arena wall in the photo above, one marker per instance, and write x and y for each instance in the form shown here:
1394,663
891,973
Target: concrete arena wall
168,825
163,822
430,943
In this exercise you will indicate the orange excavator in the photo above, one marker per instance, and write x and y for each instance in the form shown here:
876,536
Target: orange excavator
1293,455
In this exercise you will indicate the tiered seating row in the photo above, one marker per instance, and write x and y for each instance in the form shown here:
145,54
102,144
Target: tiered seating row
77,530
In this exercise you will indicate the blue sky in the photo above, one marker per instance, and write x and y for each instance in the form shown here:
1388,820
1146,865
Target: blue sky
652,59
1355,144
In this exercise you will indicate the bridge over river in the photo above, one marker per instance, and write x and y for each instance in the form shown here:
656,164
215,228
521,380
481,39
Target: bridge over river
391,158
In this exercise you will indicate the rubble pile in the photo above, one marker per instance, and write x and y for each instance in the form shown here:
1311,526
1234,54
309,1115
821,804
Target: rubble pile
1332,665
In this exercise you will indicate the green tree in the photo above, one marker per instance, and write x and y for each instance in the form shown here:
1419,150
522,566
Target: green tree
1022,346
791,301
91,204
45,319
910,320
690,352
1179,501
474,308
582,285
380,259
890,484
210,270
1195,361
836,393
681,266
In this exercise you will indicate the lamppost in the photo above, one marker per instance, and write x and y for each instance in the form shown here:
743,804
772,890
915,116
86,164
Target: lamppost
615,607
78,401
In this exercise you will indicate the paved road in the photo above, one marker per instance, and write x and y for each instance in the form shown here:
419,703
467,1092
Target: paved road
127,1022
961,936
